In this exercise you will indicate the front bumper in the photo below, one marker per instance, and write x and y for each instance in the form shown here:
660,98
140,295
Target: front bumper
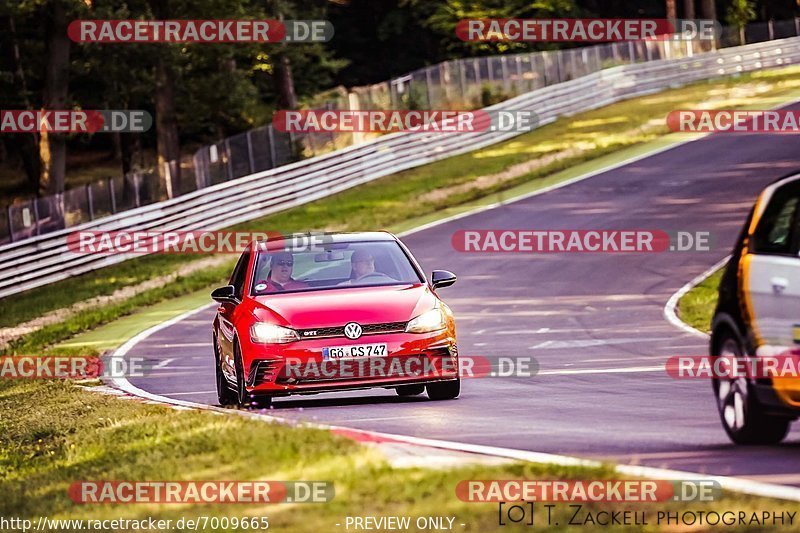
299,367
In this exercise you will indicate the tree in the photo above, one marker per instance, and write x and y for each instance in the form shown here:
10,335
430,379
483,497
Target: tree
26,146
740,12
708,9
688,9
672,10
442,17
53,147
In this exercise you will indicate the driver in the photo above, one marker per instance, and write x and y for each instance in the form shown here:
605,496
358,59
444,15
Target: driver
280,274
362,264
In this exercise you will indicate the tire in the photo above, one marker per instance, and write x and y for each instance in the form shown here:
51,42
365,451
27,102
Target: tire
742,417
410,390
446,390
225,396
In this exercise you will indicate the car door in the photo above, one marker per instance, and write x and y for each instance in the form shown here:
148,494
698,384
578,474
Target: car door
226,312
772,273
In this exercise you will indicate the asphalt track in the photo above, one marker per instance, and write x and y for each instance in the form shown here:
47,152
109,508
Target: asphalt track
594,322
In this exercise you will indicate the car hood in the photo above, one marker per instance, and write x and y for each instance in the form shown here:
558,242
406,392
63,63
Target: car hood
336,307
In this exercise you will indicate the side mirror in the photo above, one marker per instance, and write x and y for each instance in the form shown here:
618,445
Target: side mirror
442,278
226,294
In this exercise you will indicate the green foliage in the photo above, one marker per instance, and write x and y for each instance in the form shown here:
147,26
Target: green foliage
491,95
442,18
696,308
740,12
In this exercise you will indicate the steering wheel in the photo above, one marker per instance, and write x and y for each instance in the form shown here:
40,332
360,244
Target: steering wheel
375,275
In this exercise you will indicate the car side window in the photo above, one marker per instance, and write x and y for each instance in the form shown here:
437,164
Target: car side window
239,275
778,226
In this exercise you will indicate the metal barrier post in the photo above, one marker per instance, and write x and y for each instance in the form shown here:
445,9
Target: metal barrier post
10,224
113,195
428,87
250,152
136,189
88,201
272,151
36,215
229,166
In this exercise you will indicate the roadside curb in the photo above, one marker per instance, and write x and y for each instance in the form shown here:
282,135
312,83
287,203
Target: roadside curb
671,307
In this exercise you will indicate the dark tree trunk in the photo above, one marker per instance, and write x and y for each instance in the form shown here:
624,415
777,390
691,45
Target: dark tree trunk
672,9
688,9
24,145
708,9
53,147
169,148
167,139
129,145
284,83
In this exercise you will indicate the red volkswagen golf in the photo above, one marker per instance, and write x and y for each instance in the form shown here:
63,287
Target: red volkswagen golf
350,311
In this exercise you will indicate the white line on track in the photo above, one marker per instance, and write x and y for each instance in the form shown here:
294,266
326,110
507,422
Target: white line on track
587,343
622,370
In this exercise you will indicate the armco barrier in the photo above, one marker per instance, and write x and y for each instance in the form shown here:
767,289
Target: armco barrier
42,260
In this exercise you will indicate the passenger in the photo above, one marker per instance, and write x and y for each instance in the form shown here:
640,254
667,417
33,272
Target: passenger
362,265
280,274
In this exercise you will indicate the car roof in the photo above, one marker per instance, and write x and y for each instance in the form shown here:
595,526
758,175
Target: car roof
332,237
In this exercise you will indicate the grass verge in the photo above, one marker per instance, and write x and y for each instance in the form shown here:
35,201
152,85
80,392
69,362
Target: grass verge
561,148
696,308
60,434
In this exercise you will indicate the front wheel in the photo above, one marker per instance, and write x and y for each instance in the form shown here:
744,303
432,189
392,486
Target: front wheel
446,390
742,416
225,395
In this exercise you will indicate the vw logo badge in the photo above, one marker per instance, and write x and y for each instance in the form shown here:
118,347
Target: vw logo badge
352,330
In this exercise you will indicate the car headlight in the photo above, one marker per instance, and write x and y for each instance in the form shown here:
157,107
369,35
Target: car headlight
265,333
427,322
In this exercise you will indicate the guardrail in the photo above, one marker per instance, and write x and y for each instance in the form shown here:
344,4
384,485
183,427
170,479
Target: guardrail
45,259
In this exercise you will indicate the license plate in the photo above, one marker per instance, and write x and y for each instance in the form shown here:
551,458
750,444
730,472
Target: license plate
354,351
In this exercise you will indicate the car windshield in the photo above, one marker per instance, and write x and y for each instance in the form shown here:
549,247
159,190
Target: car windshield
338,265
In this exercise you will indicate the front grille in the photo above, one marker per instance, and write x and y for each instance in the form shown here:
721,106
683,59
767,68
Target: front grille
366,329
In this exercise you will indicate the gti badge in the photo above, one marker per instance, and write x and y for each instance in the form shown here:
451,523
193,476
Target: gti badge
352,330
